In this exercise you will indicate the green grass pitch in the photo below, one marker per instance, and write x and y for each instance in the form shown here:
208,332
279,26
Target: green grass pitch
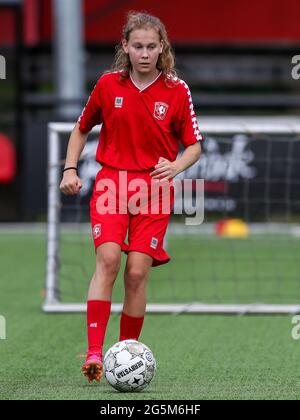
198,356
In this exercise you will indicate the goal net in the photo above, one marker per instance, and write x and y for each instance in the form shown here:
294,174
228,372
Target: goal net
244,257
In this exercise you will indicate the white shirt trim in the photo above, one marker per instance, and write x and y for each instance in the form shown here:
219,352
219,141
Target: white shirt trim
151,83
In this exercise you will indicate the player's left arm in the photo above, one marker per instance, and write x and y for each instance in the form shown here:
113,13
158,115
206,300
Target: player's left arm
186,127
165,170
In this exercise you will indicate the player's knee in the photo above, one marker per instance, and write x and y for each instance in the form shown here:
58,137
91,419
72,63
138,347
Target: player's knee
109,263
135,278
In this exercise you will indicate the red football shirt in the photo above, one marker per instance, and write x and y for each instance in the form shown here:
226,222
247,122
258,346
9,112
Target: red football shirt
140,126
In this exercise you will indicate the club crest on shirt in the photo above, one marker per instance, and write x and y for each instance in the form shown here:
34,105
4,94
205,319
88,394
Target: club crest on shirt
160,110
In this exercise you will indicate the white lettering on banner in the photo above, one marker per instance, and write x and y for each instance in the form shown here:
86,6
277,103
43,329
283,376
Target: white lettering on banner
217,166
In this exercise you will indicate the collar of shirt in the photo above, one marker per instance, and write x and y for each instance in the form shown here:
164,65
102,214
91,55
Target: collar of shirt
147,86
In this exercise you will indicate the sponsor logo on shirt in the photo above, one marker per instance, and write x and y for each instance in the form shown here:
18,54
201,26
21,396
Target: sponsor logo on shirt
118,102
154,243
97,231
160,110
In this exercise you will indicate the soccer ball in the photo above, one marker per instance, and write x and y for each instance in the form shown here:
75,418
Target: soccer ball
129,366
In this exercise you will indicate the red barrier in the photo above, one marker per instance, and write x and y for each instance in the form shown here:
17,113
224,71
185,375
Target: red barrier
188,22
7,160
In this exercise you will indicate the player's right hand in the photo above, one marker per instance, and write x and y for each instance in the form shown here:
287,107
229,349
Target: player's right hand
71,184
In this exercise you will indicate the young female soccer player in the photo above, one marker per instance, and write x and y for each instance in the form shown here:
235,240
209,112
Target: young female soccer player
145,111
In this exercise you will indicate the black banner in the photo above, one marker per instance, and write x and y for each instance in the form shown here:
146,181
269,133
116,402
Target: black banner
256,177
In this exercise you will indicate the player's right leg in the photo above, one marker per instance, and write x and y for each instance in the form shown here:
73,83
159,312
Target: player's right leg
108,261
109,228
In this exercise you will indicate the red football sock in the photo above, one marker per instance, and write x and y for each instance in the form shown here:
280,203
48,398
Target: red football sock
98,312
130,327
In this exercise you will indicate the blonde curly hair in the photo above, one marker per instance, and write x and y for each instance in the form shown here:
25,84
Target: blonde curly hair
166,60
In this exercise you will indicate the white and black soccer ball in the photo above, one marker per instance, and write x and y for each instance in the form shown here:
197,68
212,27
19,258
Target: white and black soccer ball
129,366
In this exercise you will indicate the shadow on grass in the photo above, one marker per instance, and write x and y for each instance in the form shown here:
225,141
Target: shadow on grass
96,387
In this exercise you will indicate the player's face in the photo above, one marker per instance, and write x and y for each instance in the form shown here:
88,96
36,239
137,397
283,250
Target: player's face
143,47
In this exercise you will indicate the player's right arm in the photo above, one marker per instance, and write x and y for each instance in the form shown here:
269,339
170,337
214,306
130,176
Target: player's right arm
91,116
71,183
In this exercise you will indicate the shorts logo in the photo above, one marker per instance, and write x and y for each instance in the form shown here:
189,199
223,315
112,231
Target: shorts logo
160,110
154,243
118,102
97,231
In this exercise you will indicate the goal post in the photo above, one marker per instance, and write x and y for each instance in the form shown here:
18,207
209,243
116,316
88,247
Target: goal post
247,177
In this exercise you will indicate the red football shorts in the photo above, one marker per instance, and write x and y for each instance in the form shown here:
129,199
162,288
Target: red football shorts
131,205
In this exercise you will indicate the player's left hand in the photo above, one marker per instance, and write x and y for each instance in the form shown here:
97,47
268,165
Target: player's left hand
164,170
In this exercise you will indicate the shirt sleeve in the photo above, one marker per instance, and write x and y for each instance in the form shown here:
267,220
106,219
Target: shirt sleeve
187,126
92,113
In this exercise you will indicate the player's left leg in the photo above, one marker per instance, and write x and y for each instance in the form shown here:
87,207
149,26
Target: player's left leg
135,280
146,233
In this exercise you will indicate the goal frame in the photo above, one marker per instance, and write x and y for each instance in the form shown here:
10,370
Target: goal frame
209,125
